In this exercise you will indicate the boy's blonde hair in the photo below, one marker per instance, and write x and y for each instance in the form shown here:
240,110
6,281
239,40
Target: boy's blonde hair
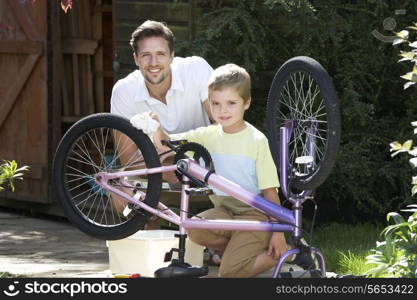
231,76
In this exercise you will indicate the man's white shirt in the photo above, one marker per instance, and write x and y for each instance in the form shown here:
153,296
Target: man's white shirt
183,109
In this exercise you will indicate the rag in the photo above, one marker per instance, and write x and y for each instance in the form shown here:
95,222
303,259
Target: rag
145,123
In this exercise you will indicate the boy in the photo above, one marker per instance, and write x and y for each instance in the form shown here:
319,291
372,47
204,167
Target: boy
241,154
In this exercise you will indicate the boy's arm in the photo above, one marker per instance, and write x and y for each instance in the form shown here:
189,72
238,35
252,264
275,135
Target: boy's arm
271,194
277,244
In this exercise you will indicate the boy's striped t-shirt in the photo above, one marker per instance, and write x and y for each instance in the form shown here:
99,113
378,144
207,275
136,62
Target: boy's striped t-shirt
243,157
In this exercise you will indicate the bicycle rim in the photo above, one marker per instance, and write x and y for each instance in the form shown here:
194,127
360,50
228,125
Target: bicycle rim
302,97
101,150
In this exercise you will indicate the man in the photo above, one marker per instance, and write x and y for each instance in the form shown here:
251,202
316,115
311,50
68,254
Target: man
173,88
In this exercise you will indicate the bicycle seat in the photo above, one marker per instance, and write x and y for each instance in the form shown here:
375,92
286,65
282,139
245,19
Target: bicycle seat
180,270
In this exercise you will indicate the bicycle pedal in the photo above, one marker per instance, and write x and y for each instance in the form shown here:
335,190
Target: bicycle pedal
126,210
199,191
168,256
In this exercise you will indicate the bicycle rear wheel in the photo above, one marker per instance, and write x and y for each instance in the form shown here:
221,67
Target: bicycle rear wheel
104,142
302,95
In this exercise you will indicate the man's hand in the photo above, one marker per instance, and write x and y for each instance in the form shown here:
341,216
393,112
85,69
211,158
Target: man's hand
158,136
154,116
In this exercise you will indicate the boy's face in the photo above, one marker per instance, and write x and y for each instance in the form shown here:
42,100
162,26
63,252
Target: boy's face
228,108
154,59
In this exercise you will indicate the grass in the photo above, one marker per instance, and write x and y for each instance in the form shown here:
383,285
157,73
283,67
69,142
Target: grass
346,246
9,275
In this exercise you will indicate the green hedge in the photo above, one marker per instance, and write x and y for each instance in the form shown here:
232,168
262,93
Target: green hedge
260,35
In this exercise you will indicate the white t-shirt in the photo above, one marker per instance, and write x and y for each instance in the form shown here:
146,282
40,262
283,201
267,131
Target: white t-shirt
183,109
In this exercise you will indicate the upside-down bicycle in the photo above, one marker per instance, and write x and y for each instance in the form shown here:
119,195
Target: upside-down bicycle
303,130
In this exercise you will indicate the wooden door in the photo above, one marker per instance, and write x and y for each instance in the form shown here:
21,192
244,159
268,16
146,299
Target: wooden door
23,94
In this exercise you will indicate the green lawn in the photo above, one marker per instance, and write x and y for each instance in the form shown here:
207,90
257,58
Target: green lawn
345,246
9,275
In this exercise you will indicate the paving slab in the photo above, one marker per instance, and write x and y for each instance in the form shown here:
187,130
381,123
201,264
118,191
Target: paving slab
51,247
44,247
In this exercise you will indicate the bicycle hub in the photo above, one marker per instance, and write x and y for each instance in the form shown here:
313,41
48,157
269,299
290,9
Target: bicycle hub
182,165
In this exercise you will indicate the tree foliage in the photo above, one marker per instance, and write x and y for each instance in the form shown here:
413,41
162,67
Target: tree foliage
262,34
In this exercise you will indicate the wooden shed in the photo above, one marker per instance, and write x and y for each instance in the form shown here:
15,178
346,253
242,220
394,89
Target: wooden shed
58,67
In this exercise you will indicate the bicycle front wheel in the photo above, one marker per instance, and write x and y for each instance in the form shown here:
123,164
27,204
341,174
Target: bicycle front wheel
104,143
302,96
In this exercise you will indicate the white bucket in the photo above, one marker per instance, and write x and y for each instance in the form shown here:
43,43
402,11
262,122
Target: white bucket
144,251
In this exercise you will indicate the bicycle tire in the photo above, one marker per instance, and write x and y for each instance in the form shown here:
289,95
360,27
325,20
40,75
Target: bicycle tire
80,154
281,97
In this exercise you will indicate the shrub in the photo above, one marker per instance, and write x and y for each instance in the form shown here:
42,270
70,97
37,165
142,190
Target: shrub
9,172
396,255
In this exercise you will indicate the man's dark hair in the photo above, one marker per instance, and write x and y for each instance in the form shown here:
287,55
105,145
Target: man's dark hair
151,28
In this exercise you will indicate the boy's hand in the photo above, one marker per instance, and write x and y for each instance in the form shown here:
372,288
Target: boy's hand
277,245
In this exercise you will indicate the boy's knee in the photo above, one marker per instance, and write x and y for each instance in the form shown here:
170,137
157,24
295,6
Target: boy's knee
196,235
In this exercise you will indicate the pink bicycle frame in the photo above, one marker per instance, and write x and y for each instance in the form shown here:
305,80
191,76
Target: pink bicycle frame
289,220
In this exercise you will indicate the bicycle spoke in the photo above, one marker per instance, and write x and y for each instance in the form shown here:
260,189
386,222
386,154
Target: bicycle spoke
100,150
301,102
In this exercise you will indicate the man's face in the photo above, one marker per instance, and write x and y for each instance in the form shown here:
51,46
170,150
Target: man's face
154,59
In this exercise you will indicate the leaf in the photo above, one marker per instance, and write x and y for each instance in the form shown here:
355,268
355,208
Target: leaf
403,34
413,162
408,55
396,217
410,76
24,168
18,175
413,152
412,205
413,191
398,41
395,146
66,4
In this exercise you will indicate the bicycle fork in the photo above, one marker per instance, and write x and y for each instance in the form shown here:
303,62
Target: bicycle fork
296,236
297,201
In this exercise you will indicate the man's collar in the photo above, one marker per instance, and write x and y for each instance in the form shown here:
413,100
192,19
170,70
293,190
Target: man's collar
176,80
142,93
